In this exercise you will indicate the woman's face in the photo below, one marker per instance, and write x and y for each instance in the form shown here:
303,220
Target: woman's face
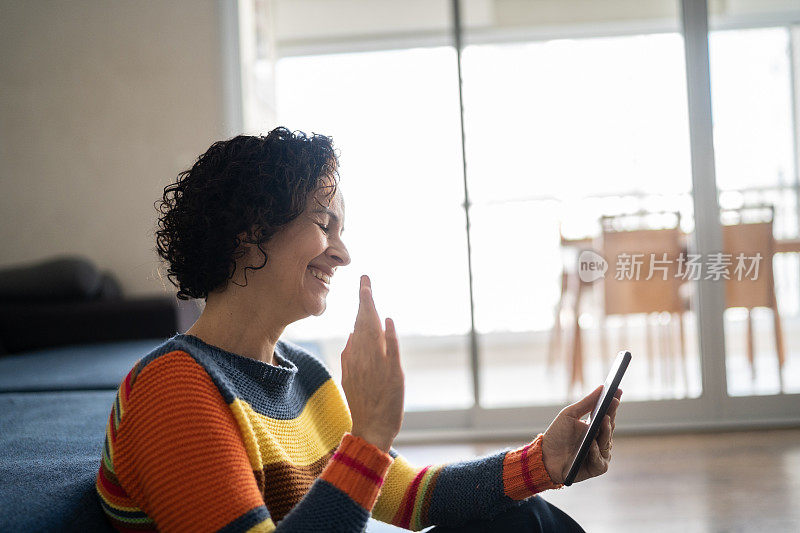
307,249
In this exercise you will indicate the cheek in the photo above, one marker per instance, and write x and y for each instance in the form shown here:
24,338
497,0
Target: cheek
308,249
300,247
317,242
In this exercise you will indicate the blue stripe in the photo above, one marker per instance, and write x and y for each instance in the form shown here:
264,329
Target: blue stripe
326,508
469,489
275,391
251,518
117,416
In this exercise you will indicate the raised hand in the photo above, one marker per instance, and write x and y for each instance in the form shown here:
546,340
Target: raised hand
564,435
372,377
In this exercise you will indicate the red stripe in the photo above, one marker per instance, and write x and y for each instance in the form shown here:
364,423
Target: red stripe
526,475
359,466
108,486
405,520
111,427
127,385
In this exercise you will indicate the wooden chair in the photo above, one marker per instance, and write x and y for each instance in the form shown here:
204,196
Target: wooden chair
630,243
752,240
572,292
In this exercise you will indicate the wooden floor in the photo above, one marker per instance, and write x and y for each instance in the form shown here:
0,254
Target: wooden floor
690,483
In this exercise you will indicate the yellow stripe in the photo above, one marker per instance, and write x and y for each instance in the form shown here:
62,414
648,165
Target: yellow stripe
302,440
117,412
123,401
399,477
267,526
416,518
241,414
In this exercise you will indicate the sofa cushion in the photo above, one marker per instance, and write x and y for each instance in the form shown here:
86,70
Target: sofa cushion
110,287
62,278
74,367
52,444
35,326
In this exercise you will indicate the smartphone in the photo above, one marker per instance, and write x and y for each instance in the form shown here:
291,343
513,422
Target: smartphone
600,409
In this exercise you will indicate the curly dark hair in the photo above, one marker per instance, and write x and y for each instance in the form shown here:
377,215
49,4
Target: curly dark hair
248,184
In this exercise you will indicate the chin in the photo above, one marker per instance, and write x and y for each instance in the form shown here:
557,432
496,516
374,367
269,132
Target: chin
318,309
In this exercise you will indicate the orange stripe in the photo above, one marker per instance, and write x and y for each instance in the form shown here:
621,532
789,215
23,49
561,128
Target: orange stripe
360,487
359,467
524,473
344,478
178,443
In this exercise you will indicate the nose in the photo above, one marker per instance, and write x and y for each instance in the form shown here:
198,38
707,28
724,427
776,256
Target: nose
339,253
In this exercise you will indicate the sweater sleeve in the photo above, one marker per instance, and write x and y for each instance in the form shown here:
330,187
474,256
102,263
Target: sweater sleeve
342,497
179,454
451,494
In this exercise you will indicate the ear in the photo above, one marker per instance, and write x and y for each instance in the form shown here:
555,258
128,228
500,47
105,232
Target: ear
245,247
246,238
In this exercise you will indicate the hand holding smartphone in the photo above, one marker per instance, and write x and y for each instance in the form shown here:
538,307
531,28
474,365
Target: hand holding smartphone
600,409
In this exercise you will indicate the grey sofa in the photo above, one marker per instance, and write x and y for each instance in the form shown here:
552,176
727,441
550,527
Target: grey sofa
66,354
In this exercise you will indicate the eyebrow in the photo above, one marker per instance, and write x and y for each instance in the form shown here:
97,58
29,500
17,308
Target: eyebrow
329,213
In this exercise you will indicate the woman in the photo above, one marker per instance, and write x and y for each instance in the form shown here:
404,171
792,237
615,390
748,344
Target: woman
230,428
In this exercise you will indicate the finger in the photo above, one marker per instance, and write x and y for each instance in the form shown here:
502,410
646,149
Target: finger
392,343
612,410
586,405
613,424
595,459
363,303
367,318
604,435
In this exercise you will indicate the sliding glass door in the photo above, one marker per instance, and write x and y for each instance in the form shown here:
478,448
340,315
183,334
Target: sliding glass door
586,139
393,115
561,131
754,88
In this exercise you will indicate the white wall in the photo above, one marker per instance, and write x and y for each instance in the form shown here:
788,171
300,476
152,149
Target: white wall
101,104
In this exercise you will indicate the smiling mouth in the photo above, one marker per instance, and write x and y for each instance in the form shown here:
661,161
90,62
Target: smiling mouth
323,278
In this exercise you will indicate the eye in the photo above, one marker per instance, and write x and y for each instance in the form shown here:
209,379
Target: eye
324,228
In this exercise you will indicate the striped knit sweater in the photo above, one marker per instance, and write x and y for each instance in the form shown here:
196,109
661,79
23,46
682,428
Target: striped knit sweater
203,439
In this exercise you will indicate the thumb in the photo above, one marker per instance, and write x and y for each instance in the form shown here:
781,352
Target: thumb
586,405
347,345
